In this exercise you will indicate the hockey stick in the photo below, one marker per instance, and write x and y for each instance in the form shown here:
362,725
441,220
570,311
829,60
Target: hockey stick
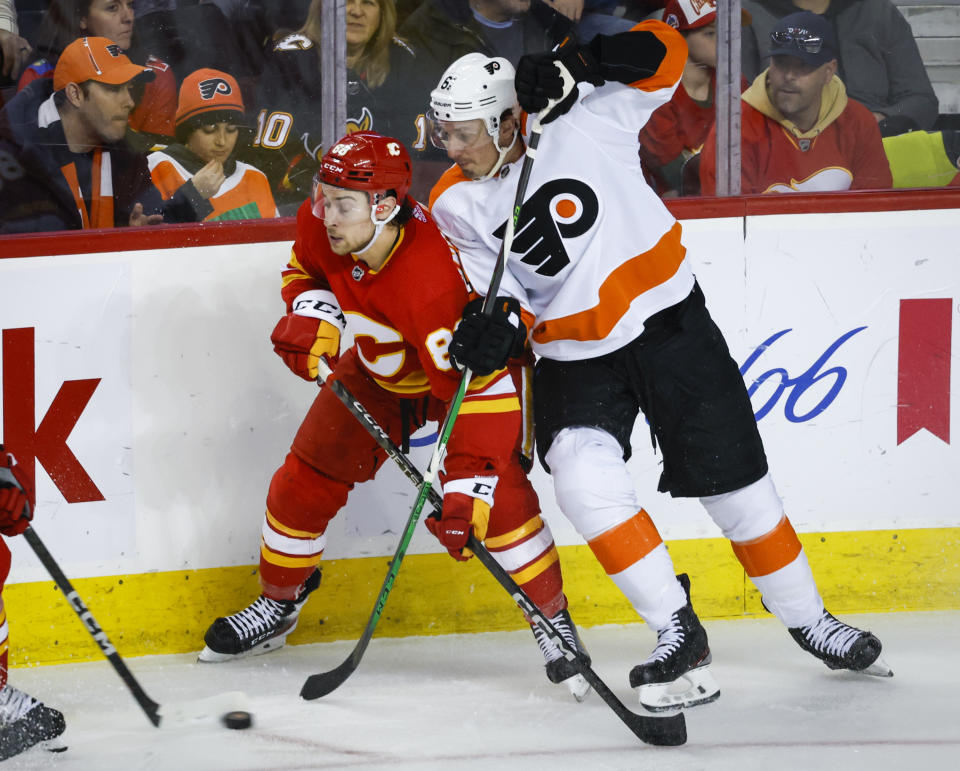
664,731
212,707
322,683
667,731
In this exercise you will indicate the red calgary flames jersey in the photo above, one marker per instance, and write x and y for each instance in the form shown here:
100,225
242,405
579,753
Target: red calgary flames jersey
402,318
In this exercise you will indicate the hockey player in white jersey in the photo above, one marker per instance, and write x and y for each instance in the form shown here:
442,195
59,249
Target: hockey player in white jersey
620,325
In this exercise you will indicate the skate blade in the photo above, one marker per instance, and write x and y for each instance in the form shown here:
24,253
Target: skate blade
691,689
579,688
878,668
53,745
210,656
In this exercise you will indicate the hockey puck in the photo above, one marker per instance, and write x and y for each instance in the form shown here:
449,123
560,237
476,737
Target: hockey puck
237,719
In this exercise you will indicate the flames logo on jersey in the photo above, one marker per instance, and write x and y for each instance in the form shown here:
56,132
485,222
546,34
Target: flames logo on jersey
363,123
561,208
210,87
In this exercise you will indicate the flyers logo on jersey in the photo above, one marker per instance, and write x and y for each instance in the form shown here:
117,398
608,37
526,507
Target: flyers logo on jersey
562,208
210,87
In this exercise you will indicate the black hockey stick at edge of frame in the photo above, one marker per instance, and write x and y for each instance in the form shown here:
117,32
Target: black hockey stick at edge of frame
322,683
156,713
663,731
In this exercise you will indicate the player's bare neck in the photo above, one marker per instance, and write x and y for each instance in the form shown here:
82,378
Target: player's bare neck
516,152
377,254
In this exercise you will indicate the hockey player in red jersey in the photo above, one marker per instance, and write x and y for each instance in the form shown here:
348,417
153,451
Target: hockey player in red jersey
24,721
620,325
361,245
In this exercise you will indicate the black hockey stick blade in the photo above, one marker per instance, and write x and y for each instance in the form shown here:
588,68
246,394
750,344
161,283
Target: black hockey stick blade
323,683
667,731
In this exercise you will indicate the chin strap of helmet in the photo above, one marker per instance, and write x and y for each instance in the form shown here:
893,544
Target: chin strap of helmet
378,225
503,155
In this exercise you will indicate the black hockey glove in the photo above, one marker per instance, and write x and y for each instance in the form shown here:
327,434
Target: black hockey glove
485,343
538,78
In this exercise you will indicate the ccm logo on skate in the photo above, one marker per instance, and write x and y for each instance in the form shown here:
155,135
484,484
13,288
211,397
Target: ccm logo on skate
561,208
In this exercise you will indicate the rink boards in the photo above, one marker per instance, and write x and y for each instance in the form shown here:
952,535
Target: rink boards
140,371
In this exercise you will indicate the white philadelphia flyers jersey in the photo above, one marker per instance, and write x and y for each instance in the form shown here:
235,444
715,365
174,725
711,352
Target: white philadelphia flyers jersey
595,252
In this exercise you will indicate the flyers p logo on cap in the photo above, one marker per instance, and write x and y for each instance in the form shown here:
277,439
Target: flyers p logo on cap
209,91
99,59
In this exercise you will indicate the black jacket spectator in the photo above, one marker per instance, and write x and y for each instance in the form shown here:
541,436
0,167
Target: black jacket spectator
35,195
445,30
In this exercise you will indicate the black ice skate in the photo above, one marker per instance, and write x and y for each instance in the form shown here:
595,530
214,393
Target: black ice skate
677,673
24,721
259,628
841,646
559,669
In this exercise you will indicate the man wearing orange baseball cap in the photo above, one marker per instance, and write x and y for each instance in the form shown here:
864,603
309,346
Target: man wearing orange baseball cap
68,166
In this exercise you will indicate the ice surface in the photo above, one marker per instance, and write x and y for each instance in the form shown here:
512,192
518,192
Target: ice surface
482,702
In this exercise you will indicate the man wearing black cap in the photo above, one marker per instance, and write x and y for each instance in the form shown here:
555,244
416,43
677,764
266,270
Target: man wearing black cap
800,131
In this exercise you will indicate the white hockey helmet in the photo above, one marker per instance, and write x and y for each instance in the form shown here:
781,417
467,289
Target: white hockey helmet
475,86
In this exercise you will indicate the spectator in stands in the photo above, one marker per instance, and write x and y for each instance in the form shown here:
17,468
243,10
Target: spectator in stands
14,50
66,20
24,720
592,17
878,59
445,30
386,91
676,131
199,172
60,136
800,132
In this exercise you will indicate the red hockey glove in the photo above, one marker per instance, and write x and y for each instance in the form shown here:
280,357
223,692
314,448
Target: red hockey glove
485,343
311,331
16,496
466,504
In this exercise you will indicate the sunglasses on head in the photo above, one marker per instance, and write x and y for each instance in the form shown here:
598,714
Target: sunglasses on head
800,39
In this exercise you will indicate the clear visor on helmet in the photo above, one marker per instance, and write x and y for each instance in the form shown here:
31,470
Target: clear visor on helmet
338,205
453,135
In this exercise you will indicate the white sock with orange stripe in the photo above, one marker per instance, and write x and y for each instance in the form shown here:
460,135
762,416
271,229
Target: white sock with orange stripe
767,546
596,493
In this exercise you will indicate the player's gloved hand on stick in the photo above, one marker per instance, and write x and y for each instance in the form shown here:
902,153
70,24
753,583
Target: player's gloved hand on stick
485,343
311,331
16,494
466,505
538,78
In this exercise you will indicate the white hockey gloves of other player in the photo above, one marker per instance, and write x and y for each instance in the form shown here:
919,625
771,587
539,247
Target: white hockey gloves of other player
466,504
483,343
539,79
312,330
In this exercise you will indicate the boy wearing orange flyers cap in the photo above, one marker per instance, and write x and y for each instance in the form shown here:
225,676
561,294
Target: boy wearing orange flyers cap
200,172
